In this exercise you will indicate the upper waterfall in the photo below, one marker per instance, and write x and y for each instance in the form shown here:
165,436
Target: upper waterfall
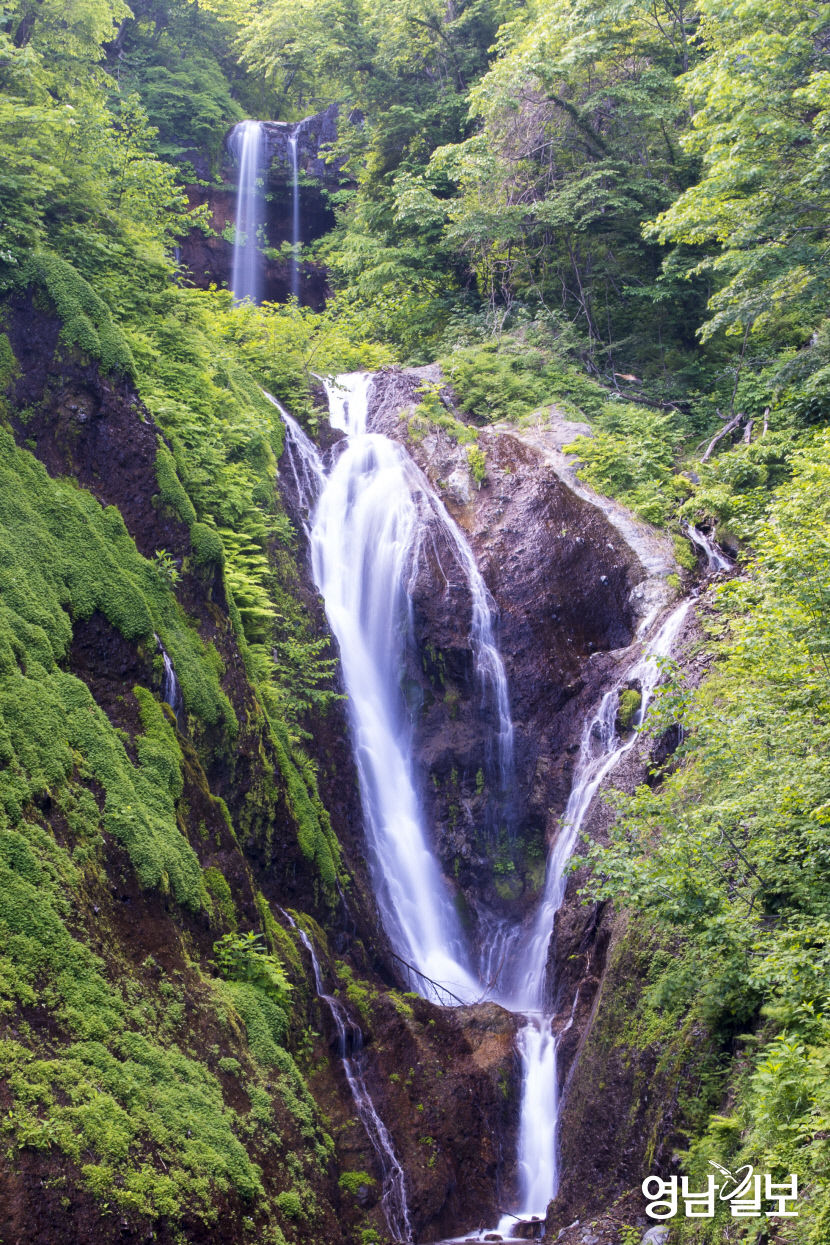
247,142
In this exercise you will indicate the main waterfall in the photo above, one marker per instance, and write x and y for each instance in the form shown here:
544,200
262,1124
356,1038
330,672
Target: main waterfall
366,522
370,516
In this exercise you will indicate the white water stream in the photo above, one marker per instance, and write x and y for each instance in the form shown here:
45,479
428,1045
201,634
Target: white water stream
171,692
349,1046
526,951
370,516
247,143
295,211
716,560
366,521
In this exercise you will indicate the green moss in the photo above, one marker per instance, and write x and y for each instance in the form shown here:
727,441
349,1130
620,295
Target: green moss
314,833
629,707
355,1182
208,549
171,491
113,1095
281,941
477,461
221,898
8,362
683,552
64,558
264,1018
359,993
400,1004
289,1204
432,412
87,321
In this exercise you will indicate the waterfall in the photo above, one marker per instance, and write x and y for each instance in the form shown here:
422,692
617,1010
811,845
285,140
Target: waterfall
247,143
348,412
366,522
295,211
349,1046
171,692
371,515
715,560
600,750
305,464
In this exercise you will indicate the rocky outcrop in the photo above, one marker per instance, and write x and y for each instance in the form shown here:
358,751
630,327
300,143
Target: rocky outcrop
208,258
569,592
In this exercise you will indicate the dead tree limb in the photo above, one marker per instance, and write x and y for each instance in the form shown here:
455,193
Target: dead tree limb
733,423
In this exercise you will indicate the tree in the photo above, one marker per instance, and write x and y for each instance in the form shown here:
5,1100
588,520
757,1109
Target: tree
761,110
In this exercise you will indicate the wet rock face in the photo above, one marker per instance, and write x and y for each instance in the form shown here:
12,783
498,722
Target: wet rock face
210,259
561,580
447,1081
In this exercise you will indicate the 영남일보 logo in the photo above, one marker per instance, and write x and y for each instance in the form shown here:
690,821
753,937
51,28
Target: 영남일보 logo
741,1189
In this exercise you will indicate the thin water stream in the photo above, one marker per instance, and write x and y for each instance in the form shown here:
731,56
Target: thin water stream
349,1047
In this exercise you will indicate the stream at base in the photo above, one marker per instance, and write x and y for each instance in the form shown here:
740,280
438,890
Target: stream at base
366,521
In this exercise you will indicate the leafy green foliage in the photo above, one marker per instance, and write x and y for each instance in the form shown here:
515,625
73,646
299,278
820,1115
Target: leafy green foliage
509,378
245,957
353,1182
630,455
730,850
761,101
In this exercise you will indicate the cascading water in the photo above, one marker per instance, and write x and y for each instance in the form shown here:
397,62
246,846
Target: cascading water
350,1044
371,515
171,692
295,210
247,143
601,748
366,521
715,560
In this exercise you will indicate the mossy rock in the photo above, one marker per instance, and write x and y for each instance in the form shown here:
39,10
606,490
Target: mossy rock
629,707
208,549
87,322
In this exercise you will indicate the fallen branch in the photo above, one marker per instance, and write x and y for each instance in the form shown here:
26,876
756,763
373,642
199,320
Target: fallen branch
733,423
437,984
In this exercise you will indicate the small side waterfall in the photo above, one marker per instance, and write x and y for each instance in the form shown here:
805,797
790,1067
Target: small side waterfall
295,210
716,560
601,748
247,143
171,692
350,1044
